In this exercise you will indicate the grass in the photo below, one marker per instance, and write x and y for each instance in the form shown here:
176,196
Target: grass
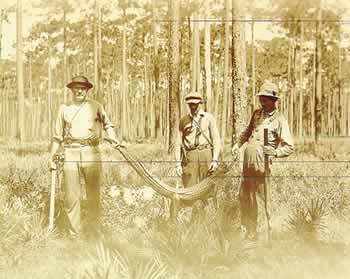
310,219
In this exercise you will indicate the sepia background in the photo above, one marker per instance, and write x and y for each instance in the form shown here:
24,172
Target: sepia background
143,57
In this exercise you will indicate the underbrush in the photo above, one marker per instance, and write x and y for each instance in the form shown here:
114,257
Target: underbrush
310,219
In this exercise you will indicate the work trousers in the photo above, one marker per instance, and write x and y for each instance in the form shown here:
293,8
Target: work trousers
195,167
82,162
252,184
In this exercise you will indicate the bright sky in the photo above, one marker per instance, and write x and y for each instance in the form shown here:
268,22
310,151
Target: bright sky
9,29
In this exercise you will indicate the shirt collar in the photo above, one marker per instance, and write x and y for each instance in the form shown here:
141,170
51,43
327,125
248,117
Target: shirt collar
270,113
199,113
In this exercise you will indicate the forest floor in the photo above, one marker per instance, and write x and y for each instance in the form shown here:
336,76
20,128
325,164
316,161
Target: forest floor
310,221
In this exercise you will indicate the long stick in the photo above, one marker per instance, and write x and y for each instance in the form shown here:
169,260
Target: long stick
267,187
52,198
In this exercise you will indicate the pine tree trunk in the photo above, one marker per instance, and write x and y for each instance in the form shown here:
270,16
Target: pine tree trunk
155,93
340,115
207,65
196,76
30,99
313,95
97,50
330,100
19,72
65,72
49,93
100,96
217,95
124,88
224,97
253,68
294,129
318,93
301,92
2,16
174,73
239,72
289,75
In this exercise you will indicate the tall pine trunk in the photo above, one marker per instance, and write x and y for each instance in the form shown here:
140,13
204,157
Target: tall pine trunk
19,72
207,65
224,97
318,93
196,76
239,73
49,91
253,66
124,87
155,114
97,50
174,73
301,76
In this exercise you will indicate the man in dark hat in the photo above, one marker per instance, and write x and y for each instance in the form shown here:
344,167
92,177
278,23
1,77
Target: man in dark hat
280,144
198,145
78,130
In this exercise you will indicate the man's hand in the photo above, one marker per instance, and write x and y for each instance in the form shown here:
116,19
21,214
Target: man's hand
213,166
234,149
52,165
269,150
115,143
179,170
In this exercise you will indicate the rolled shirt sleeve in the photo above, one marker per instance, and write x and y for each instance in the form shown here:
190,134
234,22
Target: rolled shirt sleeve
215,136
58,130
178,144
245,135
286,143
105,121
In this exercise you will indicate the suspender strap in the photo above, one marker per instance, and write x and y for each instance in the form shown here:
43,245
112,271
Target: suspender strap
199,132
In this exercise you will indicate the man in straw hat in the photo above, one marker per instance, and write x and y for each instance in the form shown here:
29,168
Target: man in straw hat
78,130
198,144
279,144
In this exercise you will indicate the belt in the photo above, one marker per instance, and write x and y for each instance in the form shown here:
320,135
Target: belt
199,147
80,142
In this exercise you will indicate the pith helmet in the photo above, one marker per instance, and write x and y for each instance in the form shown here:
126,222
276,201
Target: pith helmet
269,89
194,98
80,81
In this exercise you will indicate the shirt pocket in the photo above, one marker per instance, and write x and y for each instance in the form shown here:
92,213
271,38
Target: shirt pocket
274,129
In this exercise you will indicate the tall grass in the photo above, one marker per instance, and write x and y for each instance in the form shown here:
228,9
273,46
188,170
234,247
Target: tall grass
139,241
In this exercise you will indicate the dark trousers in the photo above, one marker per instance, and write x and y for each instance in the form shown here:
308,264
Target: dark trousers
252,185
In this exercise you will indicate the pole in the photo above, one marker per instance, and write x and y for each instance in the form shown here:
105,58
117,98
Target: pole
52,198
267,187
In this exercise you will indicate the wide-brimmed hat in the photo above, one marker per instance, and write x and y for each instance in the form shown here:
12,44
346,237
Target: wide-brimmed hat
80,81
193,98
269,89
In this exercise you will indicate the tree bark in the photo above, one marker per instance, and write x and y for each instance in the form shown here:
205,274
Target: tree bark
207,65
224,96
174,73
19,72
196,77
301,76
253,68
49,92
124,87
340,113
154,113
65,72
239,73
97,51
318,93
